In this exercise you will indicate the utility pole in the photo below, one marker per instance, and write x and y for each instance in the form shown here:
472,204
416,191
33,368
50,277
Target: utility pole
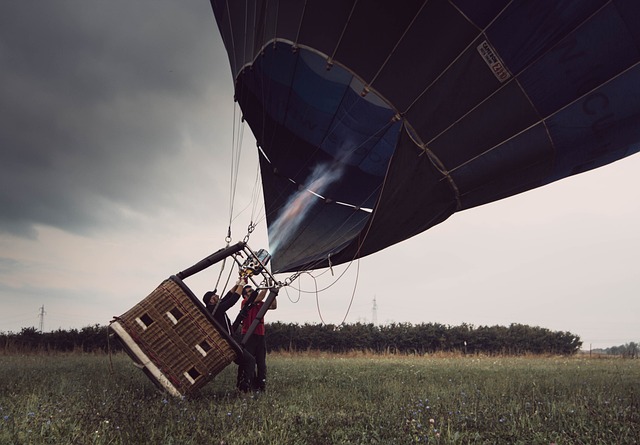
374,315
41,315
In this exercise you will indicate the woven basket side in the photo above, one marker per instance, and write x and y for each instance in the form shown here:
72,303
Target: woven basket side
178,337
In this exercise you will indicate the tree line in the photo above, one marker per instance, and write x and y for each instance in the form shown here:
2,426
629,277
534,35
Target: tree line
88,339
402,338
424,338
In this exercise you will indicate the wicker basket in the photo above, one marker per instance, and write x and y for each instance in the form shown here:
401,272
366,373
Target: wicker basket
174,339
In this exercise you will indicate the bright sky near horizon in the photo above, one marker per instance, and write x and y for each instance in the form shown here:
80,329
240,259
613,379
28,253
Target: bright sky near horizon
115,161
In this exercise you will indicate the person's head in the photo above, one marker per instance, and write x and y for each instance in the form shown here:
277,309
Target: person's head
246,291
211,298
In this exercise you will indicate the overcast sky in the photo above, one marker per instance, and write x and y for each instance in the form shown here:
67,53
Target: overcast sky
115,159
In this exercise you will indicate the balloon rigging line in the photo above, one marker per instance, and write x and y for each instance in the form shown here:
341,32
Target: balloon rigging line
344,29
264,28
304,9
289,297
353,294
317,294
318,303
373,79
233,45
224,289
299,288
256,211
231,181
222,266
244,48
235,160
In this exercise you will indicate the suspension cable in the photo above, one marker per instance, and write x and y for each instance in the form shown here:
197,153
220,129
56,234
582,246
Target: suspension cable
224,289
233,177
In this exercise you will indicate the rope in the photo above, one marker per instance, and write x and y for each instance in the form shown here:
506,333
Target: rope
224,261
318,301
344,29
397,43
244,47
233,45
233,179
353,294
258,214
224,290
304,9
288,297
109,353
317,293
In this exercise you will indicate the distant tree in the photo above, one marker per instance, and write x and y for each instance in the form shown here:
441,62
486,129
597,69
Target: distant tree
632,350
628,350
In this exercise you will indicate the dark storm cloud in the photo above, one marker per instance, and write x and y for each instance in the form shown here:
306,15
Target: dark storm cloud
93,96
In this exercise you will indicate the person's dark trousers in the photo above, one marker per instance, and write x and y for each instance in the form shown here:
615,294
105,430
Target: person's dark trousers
257,346
246,371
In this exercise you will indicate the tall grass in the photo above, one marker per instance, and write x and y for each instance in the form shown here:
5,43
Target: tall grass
327,399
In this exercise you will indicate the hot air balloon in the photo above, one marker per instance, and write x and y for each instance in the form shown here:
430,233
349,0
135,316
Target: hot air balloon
389,117
377,120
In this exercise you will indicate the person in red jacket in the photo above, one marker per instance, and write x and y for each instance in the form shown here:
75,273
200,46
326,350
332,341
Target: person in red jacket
256,345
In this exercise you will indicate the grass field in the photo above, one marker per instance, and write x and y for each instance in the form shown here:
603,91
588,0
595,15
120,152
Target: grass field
327,399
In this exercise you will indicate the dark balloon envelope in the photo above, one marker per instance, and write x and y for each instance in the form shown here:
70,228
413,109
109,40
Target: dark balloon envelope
426,108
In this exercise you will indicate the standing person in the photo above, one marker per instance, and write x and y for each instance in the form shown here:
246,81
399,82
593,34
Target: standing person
218,309
256,345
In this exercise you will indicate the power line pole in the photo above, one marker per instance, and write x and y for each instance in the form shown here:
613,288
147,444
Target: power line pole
41,315
374,315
